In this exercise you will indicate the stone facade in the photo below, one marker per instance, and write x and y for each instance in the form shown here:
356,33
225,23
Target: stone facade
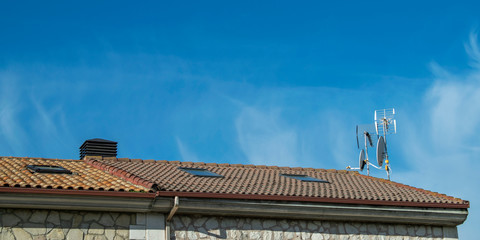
198,227
24,224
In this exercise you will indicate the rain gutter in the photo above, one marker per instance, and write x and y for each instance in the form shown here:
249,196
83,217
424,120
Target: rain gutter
322,211
230,205
84,200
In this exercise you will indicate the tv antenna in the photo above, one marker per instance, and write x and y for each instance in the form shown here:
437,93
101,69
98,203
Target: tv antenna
383,125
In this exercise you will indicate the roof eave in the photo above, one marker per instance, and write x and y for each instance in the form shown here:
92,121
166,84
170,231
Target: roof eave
150,202
82,200
323,211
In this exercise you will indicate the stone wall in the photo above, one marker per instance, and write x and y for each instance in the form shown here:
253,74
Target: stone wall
198,227
23,224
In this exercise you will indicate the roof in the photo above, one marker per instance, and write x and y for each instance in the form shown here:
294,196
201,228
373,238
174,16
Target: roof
14,174
266,183
110,174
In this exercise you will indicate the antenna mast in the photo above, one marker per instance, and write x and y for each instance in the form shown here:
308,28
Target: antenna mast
384,120
366,135
384,124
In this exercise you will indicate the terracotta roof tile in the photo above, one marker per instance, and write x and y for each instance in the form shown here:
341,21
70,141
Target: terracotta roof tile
14,173
246,181
267,180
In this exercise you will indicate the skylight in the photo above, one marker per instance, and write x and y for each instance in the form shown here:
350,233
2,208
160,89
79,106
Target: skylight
304,178
200,172
47,169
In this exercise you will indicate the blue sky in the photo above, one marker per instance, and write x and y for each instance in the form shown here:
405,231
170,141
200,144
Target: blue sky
271,83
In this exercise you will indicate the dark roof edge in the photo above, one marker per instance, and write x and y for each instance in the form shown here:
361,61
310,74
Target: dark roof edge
76,192
312,199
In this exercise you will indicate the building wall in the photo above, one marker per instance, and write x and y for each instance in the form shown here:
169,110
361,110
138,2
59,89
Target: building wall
24,224
198,227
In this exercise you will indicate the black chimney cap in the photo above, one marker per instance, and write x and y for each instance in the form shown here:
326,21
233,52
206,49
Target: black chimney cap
98,147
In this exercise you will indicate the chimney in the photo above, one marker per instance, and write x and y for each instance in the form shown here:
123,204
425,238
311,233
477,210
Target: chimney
98,147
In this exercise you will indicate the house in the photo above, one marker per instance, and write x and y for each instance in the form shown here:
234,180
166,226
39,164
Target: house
105,197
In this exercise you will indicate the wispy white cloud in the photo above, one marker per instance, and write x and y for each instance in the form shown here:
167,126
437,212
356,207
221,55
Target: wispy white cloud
29,126
442,143
185,152
297,127
340,138
49,123
11,131
472,49
265,139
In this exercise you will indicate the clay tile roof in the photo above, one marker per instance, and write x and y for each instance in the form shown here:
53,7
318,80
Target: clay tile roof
238,181
266,182
14,174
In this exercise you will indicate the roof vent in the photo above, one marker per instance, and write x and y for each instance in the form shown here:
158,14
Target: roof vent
304,178
98,147
47,169
200,172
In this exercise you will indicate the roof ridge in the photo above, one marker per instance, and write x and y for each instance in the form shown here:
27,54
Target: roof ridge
115,159
38,158
431,193
118,172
